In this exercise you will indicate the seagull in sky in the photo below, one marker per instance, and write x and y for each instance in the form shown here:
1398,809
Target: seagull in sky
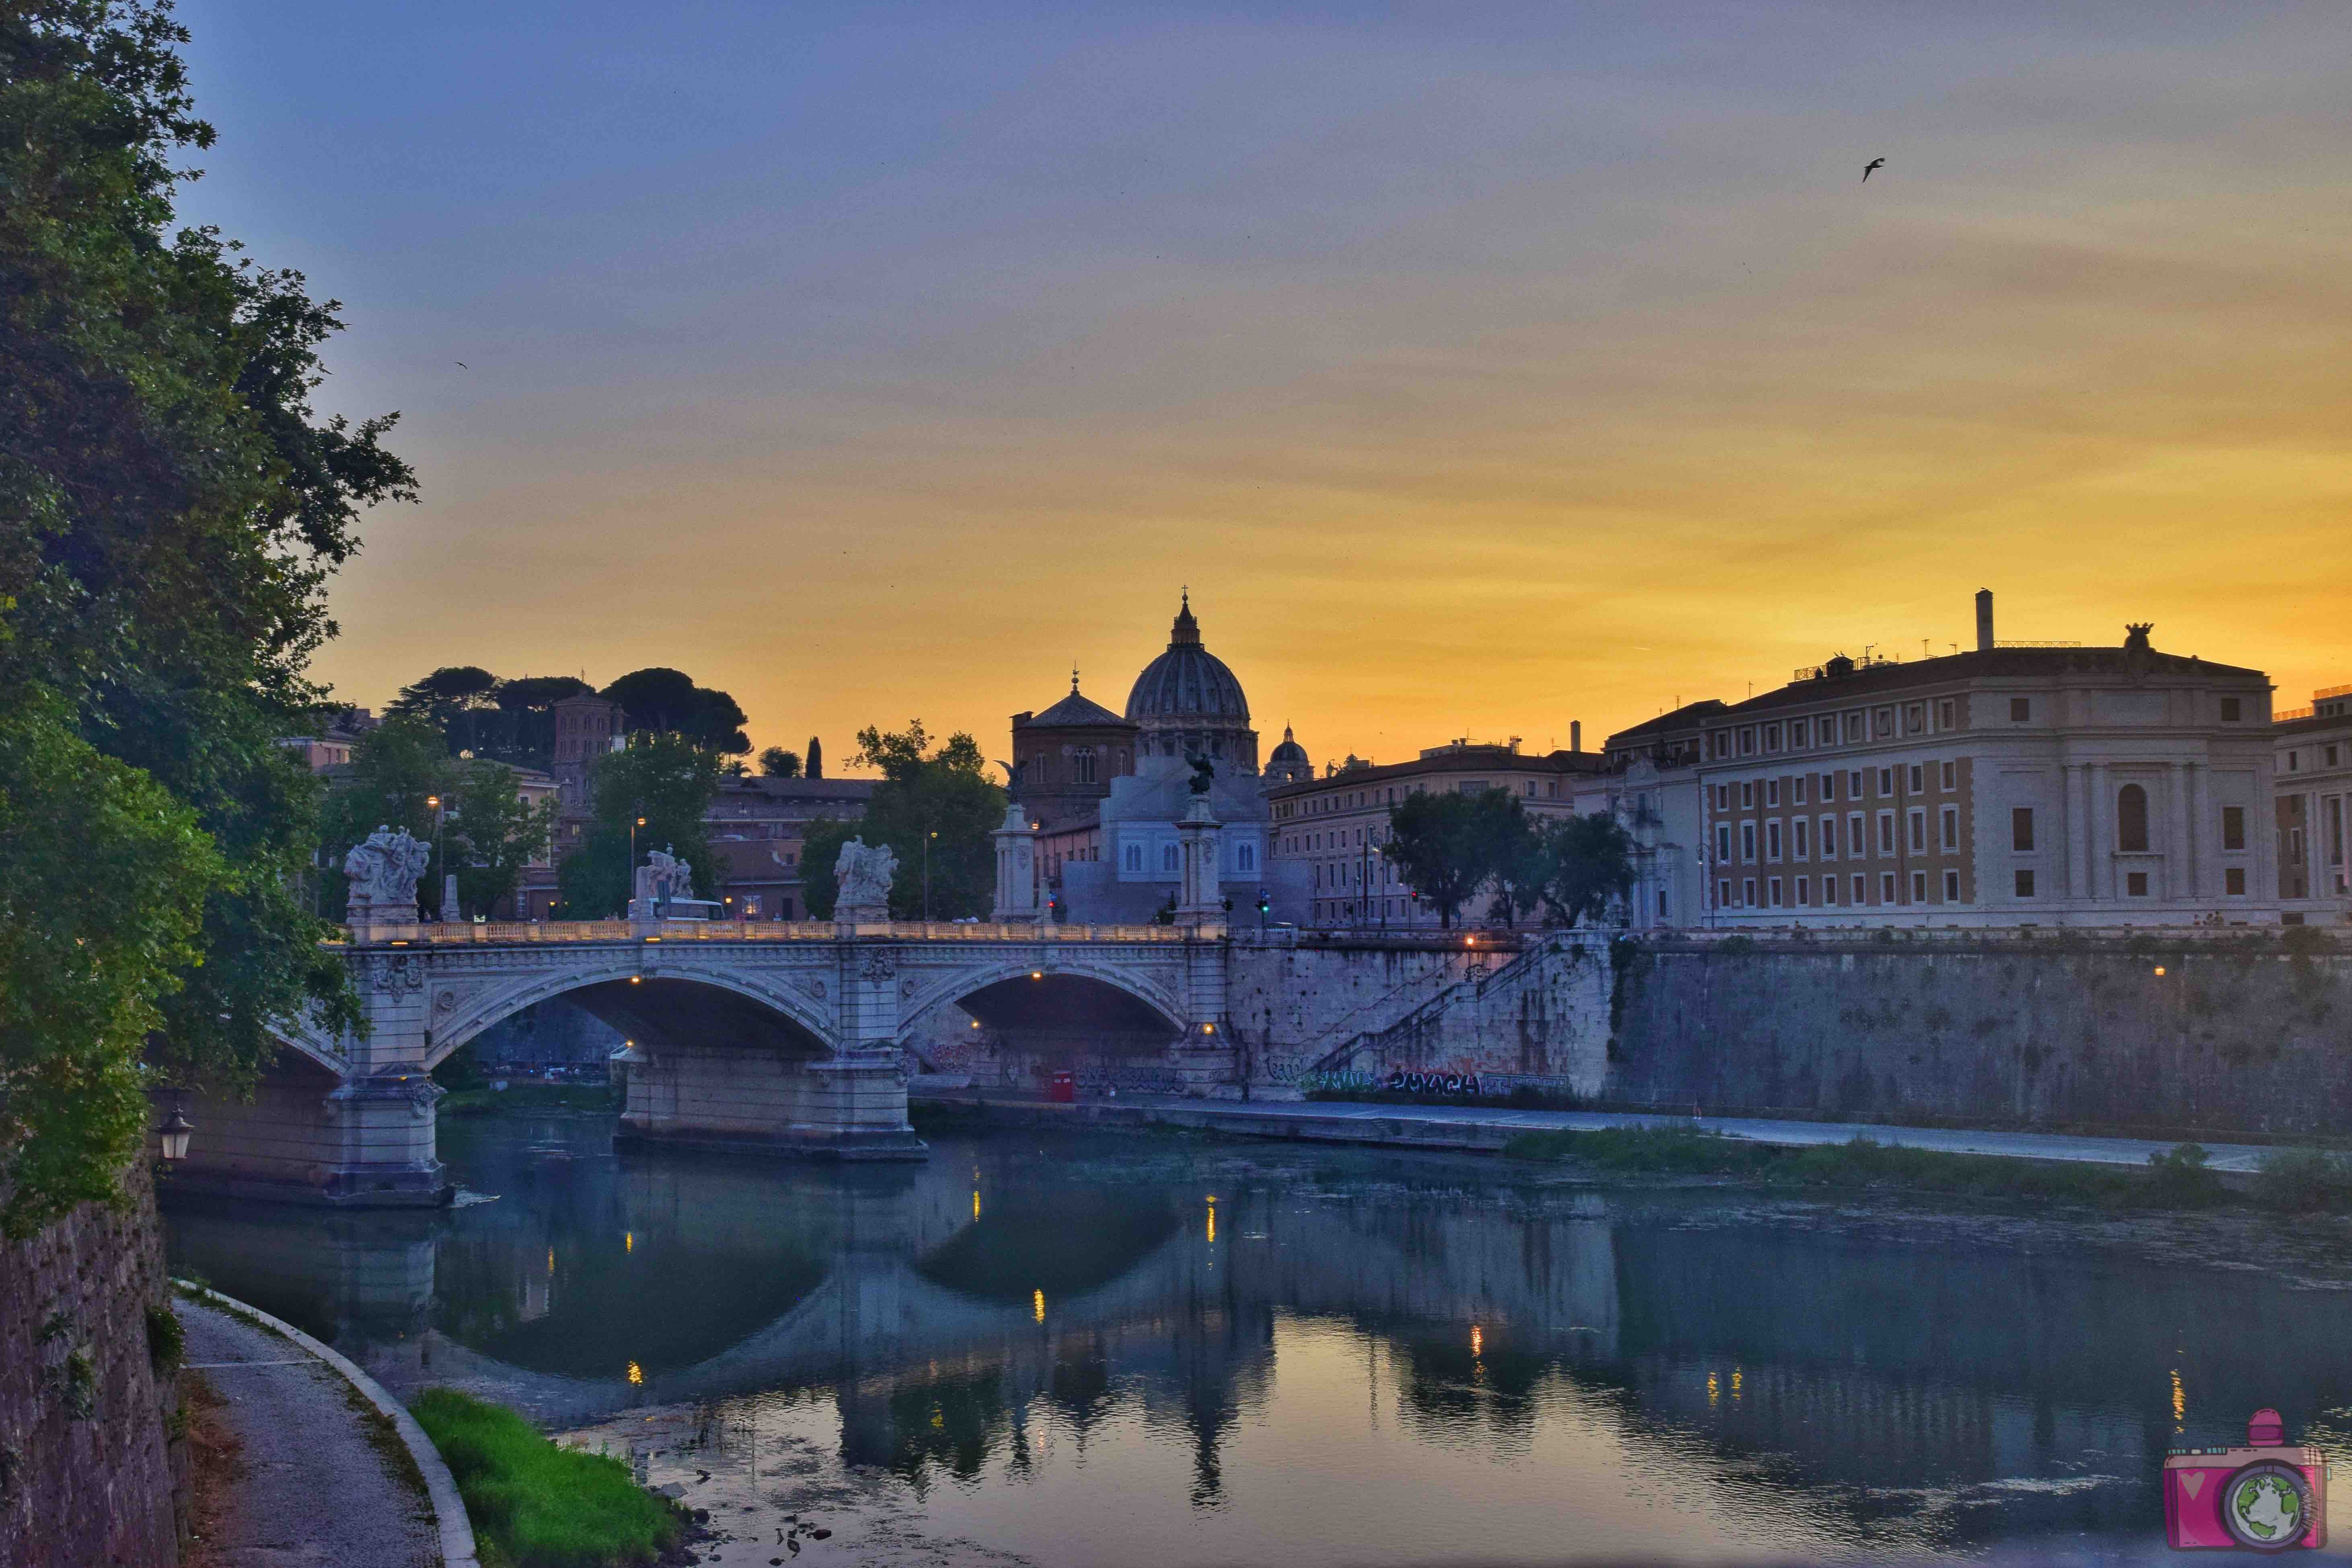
461,365
1874,163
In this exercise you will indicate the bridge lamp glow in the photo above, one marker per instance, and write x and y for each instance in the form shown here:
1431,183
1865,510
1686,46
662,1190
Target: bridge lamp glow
636,980
2159,972
1036,975
1208,1028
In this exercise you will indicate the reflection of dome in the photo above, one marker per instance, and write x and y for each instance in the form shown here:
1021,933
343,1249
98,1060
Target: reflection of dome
1188,703
1288,764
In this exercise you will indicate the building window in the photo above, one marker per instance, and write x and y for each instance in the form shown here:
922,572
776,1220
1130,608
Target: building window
1919,779
1747,795
1828,788
1797,790
1748,841
1771,737
2131,821
1886,833
2021,708
2234,882
1829,890
1772,840
2024,882
1747,741
1771,792
2136,884
1082,764
2020,828
1248,858
1722,743
2295,762
1914,718
1855,844
1854,784
1944,715
1919,826
1135,856
1918,886
1723,797
1773,888
1723,895
1950,775
1803,835
2230,711
1882,722
1168,857
1951,887
1804,891
1886,886
1723,844
1951,824
1829,838
2233,827
1861,889
1885,783
1747,892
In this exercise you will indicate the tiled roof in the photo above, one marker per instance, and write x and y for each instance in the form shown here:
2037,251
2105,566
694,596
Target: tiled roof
2005,663
1075,711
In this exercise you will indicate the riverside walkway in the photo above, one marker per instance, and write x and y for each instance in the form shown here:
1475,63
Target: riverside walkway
1486,1128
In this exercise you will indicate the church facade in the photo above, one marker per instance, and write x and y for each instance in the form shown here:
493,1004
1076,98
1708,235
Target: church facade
1106,791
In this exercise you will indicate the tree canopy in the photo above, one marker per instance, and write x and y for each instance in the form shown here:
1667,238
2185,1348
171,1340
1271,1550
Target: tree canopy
1448,846
935,800
666,701
780,763
487,833
668,782
171,509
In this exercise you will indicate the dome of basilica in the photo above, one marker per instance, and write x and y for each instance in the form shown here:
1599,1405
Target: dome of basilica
1189,704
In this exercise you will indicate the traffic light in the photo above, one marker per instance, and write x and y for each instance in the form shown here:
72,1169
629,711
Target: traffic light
1264,902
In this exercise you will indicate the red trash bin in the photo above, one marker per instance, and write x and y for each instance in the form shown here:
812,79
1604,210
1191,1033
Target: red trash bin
1062,1089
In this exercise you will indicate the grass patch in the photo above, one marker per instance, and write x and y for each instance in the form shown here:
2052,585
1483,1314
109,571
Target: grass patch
2174,1179
1524,1096
2306,1181
535,1505
532,1098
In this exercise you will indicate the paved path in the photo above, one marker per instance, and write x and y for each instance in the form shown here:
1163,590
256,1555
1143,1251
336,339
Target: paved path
1482,1127
311,1490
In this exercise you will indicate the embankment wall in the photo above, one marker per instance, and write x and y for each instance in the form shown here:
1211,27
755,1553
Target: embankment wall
87,1472
2234,1032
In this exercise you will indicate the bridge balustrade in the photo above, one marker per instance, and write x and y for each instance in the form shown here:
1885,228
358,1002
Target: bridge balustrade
510,932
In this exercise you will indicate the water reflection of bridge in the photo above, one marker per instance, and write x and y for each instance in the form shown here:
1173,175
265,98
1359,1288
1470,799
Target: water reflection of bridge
940,1302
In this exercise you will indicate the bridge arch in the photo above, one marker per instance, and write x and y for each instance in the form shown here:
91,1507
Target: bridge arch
1027,993
643,999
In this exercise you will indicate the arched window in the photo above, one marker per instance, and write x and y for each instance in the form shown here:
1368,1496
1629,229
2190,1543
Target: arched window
1135,856
1249,857
1082,764
2131,818
1168,857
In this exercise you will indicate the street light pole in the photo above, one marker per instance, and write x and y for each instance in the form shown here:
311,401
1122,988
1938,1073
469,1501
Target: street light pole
926,874
440,871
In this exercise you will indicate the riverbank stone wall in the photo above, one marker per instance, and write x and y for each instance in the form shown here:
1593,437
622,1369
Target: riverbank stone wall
2228,1034
88,1471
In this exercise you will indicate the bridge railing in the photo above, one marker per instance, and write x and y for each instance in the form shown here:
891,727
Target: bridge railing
508,933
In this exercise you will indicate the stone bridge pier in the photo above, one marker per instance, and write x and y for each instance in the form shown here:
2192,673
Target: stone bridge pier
756,1038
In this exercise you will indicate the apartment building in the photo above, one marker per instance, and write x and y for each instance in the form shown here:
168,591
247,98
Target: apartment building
1333,827
2009,785
2310,800
1651,787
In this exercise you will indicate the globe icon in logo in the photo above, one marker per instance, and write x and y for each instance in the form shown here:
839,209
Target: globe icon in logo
2264,1506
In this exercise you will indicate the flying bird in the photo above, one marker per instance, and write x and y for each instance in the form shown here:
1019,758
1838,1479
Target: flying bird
463,366
1874,163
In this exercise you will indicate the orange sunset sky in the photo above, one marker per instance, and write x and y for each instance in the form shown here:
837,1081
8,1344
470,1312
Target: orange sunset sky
1479,371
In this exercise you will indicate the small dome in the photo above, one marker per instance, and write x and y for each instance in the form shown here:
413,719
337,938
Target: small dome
1187,683
1288,763
1290,751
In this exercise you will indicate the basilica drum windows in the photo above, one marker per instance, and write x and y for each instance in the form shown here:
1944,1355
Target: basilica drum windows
2131,819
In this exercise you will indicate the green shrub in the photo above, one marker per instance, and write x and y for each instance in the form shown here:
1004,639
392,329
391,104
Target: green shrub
2180,1178
2301,1180
537,1505
165,1339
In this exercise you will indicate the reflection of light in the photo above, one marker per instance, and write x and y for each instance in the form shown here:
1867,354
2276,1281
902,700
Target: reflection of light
2180,1398
1713,1392
1037,1304
628,1241
1477,1340
1213,1219
1737,1379
975,1202
550,1260
636,1376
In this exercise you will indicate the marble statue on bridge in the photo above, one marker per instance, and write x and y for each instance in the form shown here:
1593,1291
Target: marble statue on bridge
384,873
861,876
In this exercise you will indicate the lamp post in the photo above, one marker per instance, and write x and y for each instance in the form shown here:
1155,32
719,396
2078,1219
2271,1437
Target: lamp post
440,870
172,1139
926,874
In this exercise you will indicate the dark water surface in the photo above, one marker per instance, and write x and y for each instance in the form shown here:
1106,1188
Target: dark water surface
1128,1349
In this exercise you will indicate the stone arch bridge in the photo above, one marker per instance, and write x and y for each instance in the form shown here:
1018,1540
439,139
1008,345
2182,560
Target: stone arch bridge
744,1036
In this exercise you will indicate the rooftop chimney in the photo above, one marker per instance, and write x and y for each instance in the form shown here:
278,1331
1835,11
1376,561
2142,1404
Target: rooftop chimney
1984,620
1576,735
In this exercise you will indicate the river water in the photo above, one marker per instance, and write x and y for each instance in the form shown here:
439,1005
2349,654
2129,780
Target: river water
1145,1350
